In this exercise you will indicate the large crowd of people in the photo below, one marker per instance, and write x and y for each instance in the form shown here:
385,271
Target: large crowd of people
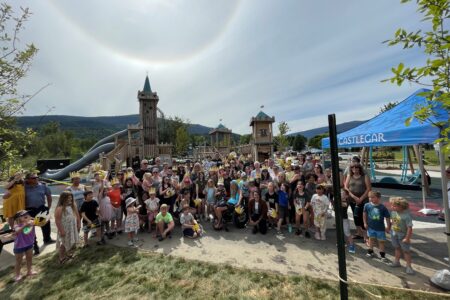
288,194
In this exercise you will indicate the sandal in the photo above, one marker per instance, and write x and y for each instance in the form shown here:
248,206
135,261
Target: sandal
18,278
32,273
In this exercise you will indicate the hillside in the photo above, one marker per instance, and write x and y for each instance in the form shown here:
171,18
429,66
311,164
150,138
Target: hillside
340,128
96,127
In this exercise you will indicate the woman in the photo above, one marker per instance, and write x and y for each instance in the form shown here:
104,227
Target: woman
358,186
230,204
318,170
14,198
258,213
77,189
166,192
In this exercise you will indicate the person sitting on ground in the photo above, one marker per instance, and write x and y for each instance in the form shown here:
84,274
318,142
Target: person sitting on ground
189,225
257,209
164,222
374,215
89,213
401,232
67,221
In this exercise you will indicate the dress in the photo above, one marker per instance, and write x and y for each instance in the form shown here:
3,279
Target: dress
15,202
69,224
132,223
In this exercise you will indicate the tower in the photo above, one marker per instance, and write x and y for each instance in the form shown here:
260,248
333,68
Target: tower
262,136
148,102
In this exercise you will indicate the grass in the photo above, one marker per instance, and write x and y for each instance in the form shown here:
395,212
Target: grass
121,273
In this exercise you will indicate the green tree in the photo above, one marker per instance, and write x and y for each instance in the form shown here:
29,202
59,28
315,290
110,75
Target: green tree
15,61
435,73
299,142
316,141
181,140
387,107
245,139
281,138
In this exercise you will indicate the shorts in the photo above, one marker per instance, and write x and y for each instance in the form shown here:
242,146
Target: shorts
23,249
346,226
283,212
397,239
116,213
222,204
188,232
375,234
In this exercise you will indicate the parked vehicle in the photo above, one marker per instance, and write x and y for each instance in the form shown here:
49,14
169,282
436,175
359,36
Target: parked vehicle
346,155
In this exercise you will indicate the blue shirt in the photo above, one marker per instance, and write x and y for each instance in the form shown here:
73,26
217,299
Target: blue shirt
282,199
35,195
376,215
234,200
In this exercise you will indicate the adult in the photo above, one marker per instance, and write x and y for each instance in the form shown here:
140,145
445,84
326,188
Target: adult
256,173
358,186
308,166
36,194
77,189
158,164
14,198
318,170
258,213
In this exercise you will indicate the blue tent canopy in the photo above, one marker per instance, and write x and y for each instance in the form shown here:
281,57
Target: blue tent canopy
389,129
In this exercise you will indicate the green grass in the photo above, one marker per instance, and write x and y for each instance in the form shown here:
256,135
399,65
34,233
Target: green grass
120,273
430,157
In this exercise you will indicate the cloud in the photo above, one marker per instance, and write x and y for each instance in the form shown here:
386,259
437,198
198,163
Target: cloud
211,60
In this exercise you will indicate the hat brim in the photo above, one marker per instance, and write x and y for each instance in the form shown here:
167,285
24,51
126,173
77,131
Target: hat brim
131,202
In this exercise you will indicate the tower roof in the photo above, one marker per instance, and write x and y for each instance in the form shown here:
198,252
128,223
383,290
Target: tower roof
262,116
147,89
221,126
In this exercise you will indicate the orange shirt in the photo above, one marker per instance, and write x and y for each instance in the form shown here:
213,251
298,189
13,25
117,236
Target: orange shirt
114,195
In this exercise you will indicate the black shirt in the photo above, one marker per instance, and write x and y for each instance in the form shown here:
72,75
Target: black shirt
90,210
272,199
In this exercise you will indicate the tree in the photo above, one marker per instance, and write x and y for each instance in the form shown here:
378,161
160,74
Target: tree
388,106
15,61
299,142
435,73
281,139
181,140
316,141
245,139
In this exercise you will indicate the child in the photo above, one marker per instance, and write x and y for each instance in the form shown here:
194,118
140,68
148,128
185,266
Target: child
132,221
23,243
191,228
116,198
272,203
283,206
164,222
106,214
346,224
89,213
67,221
152,205
302,209
401,232
374,215
320,203
210,191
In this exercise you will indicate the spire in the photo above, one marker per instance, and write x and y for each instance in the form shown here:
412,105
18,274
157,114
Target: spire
147,88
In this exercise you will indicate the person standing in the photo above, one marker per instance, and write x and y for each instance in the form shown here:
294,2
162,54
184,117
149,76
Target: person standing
36,194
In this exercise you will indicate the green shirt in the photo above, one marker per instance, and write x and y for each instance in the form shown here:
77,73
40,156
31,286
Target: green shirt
401,222
167,218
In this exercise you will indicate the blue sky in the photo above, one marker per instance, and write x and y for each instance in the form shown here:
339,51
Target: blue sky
212,60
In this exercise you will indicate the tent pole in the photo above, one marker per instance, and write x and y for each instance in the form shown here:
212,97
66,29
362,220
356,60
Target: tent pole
424,210
411,166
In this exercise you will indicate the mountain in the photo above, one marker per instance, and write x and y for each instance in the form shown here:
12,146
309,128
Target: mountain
96,127
340,128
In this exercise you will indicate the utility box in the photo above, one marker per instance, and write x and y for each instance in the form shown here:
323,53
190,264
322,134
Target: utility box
52,164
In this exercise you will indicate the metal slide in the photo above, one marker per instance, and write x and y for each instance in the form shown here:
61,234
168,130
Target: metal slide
109,139
88,158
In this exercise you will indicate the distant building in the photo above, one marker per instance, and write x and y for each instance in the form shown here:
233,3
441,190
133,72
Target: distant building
262,136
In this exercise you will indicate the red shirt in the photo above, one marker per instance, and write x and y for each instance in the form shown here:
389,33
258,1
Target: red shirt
114,195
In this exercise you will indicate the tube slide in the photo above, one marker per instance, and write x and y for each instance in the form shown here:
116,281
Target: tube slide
88,158
109,139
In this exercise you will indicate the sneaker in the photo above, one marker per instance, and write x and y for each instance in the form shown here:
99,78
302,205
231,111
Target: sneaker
307,234
49,242
395,264
290,228
317,236
36,251
135,240
254,230
211,218
130,243
323,238
298,232
410,271
371,255
351,249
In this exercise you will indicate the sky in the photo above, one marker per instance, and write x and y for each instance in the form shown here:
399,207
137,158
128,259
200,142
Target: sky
218,61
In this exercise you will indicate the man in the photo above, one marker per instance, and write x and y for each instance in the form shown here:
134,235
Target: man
164,223
35,195
158,164
140,175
